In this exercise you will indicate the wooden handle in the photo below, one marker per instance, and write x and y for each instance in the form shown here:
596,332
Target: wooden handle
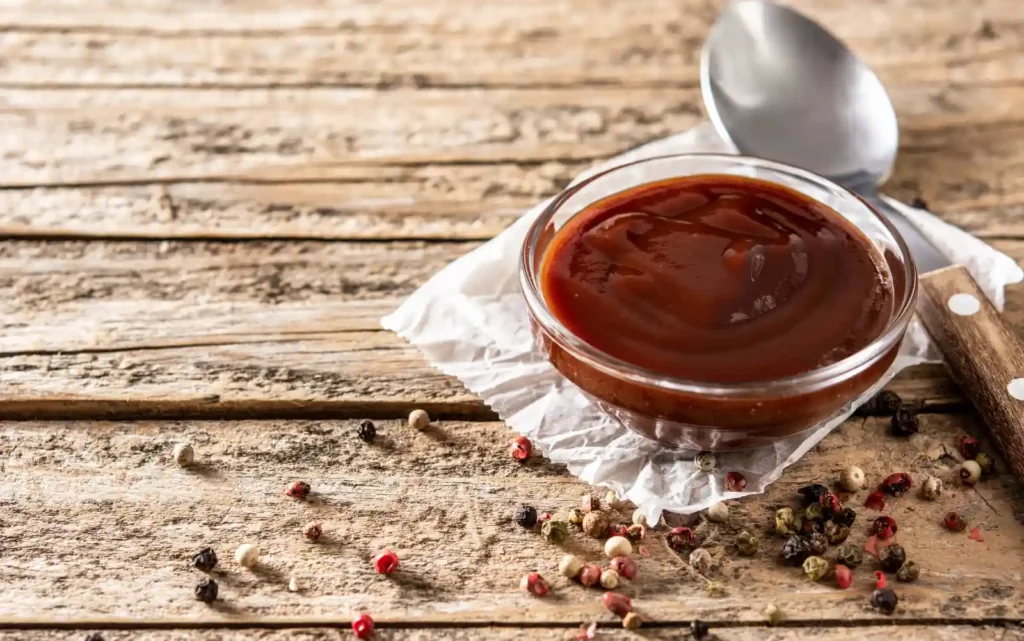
985,356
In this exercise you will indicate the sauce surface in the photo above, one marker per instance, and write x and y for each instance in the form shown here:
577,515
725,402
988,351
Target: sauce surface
717,279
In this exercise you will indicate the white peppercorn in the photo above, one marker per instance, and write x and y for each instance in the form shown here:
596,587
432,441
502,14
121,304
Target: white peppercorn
617,546
247,555
183,454
931,488
774,614
700,560
612,500
705,461
970,472
639,517
719,513
609,579
852,479
595,524
294,585
419,420
570,566
632,621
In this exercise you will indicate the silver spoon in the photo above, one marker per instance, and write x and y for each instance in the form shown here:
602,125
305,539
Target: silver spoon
779,86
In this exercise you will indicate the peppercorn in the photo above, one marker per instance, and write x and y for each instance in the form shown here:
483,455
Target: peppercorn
609,579
576,517
795,550
845,516
570,566
419,420
247,555
714,589
183,454
705,461
534,584
367,431
810,527
784,521
204,560
298,490
700,560
362,625
631,621
931,488
589,575
909,572
590,503
618,546
970,472
617,604
844,577
596,524
313,530
612,500
774,614
830,504
735,482
639,517
385,562
852,479
884,403
896,484
968,446
812,493
875,501
815,567
883,598
904,422
835,533
617,529
892,557
718,513
526,516
699,630
817,543
747,543
95,636
955,522
849,555
206,590
555,531
294,585
520,448
884,527
625,566
636,533
813,513
985,462
680,539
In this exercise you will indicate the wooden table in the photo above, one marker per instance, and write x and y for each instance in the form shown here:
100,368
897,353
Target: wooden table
206,208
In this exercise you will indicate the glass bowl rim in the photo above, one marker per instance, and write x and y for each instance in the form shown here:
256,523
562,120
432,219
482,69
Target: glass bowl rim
804,382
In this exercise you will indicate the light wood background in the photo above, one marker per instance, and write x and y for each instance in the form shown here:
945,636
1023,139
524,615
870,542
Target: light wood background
205,208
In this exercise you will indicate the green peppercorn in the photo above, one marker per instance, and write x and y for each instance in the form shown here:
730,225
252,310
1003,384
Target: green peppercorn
985,462
747,543
817,544
813,512
892,557
816,567
576,516
849,555
784,521
909,572
715,589
835,533
555,531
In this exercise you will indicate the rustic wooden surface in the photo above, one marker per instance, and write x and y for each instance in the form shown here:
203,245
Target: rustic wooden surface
205,208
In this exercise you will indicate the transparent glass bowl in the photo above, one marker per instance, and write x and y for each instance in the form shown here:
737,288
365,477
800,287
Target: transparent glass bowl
697,415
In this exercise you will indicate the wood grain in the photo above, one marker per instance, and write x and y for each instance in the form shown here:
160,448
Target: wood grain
97,522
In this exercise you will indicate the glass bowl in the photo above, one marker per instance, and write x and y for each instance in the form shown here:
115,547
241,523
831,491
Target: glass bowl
699,415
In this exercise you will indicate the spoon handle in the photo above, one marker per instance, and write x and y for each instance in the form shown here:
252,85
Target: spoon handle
984,354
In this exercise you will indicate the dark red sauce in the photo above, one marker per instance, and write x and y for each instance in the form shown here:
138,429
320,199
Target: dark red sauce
717,279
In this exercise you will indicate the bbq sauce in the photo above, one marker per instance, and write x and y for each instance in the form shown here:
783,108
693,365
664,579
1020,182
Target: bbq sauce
717,279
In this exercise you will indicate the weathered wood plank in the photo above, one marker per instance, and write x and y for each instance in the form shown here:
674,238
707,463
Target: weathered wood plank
129,519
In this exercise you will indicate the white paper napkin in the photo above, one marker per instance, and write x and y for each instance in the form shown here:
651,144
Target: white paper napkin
471,323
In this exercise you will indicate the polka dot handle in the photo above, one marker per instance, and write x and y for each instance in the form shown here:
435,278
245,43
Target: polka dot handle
984,355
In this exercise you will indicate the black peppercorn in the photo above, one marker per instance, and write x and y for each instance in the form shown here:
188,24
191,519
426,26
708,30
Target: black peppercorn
206,590
835,533
526,516
892,557
904,423
817,543
204,560
367,431
812,493
881,404
699,630
885,600
846,517
94,636
795,550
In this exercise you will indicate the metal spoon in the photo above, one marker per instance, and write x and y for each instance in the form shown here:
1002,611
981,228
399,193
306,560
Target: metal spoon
779,86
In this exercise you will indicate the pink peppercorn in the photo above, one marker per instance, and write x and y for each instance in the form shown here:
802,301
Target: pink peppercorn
884,527
875,501
543,518
385,562
955,522
535,584
298,490
589,575
362,626
625,566
844,576
968,446
680,538
735,482
520,448
896,484
617,604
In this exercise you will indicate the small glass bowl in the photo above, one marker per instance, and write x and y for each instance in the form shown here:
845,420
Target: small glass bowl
697,415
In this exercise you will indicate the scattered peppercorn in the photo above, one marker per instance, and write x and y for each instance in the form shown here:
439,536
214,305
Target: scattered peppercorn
955,522
835,533
204,560
813,513
594,524
715,589
985,462
815,567
810,527
520,448
575,517
618,546
817,544
247,555
849,555
526,516
699,630
543,518
830,504
896,484
609,579
680,539
884,527
892,557
184,454
636,533
705,461
968,446
419,420
883,598
970,472
977,535
589,575
931,488
367,431
884,403
784,518
570,566
700,560
534,584
617,604
385,562
298,490
875,501
555,531
909,572
735,482
852,478
206,590
639,517
747,543
294,585
812,493
617,529
904,422
719,512
795,550
612,500
844,576
632,621
313,530
362,625
845,516
774,614
625,566
590,503
95,636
